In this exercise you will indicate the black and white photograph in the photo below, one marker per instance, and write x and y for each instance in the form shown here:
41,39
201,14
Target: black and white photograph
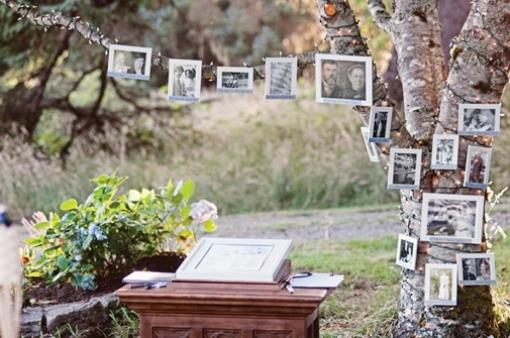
441,284
445,152
479,119
407,250
184,79
450,218
373,155
129,62
380,124
281,78
343,79
235,79
476,269
478,163
404,169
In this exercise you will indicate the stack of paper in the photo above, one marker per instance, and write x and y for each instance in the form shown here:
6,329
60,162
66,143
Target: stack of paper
148,277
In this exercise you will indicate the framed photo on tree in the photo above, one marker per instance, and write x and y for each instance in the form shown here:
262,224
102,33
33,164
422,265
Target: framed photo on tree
479,119
404,169
478,164
184,79
452,218
235,260
129,62
441,284
373,154
476,269
445,152
234,79
281,78
407,251
343,79
380,124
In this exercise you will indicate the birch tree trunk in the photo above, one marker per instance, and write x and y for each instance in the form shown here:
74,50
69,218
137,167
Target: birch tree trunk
479,66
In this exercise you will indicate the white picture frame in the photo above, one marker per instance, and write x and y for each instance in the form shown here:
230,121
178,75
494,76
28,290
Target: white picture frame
184,79
340,80
474,169
235,260
373,154
402,175
125,62
476,272
407,251
281,78
484,123
234,79
380,131
443,213
445,152
440,284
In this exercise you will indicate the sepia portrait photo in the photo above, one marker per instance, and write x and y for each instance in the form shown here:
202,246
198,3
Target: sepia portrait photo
184,79
343,79
479,119
452,218
478,163
373,155
405,168
281,78
476,269
445,152
441,284
129,62
235,79
380,124
407,250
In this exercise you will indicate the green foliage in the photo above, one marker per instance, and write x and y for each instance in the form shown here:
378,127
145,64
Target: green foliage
109,232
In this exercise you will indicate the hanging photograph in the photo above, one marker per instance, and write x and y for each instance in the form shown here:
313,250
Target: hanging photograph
476,269
129,62
184,79
235,79
407,251
405,168
445,152
343,79
478,162
373,155
479,119
281,78
441,284
380,124
452,218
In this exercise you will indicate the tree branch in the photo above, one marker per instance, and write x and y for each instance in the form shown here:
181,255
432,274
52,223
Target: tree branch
379,14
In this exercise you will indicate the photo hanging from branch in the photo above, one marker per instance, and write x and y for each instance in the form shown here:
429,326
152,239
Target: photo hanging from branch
235,79
281,78
184,79
129,62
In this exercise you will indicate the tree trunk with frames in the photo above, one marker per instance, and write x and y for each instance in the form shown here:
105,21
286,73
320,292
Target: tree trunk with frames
479,67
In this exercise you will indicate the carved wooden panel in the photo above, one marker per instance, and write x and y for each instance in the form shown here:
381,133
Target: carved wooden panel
214,333
166,332
272,334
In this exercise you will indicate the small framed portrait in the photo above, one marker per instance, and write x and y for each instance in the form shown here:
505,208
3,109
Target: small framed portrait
405,168
343,79
476,269
478,163
235,260
441,284
373,155
452,218
235,79
445,152
129,62
184,79
407,251
281,78
380,124
479,119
